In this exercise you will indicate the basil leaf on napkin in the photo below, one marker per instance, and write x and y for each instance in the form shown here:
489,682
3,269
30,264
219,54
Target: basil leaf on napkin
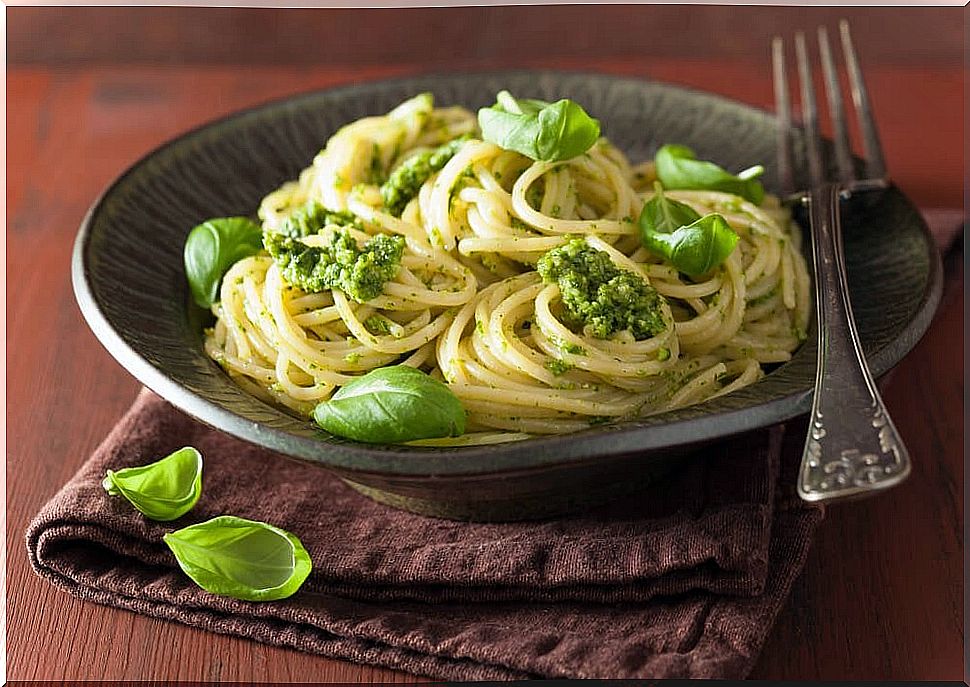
693,244
210,250
542,131
390,405
164,490
244,559
679,168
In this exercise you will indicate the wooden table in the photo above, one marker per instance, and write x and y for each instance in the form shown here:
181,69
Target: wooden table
882,594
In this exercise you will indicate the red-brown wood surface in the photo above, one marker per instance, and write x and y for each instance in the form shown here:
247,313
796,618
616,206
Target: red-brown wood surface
882,593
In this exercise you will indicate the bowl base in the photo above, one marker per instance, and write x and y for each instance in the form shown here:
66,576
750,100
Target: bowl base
545,501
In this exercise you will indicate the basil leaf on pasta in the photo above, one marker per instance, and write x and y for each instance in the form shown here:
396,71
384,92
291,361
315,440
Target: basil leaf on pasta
665,215
212,247
164,490
391,405
243,559
542,131
696,246
679,168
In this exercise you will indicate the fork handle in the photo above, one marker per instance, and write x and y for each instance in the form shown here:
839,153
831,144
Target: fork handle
852,447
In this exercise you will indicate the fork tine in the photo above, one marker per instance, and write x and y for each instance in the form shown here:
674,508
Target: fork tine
813,144
783,112
843,157
875,162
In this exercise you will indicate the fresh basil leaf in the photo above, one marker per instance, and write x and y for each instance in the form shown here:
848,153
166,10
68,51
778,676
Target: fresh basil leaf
695,248
510,131
528,106
164,490
391,405
212,247
244,559
665,215
678,168
565,131
542,131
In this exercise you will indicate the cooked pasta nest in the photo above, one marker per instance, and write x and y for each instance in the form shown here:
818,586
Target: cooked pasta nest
468,306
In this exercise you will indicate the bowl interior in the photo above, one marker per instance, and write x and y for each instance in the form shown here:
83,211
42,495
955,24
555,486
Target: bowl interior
130,282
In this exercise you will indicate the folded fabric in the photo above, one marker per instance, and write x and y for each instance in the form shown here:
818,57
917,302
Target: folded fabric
682,580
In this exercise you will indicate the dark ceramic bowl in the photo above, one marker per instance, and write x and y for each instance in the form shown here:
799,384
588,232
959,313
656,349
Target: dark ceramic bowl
130,284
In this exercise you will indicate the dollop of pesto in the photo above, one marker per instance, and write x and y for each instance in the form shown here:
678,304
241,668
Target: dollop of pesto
405,181
312,217
360,273
599,295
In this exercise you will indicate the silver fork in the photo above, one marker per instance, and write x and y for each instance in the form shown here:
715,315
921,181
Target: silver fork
852,447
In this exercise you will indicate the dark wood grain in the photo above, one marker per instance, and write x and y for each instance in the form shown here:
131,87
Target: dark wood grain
179,35
882,594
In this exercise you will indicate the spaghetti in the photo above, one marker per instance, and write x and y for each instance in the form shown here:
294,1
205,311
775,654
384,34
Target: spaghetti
468,305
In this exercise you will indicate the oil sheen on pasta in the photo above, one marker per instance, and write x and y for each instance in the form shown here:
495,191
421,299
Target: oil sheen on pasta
467,304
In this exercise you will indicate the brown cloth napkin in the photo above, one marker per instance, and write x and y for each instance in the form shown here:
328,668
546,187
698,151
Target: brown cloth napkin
683,580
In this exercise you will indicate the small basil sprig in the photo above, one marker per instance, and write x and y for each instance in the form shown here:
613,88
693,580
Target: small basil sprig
244,559
693,244
212,247
164,490
542,131
679,168
391,405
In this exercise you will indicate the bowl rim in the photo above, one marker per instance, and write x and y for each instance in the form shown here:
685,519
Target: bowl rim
359,458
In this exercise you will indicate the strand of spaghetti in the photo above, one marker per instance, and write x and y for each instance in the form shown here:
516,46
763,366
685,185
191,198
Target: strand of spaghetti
509,245
438,222
542,399
514,352
291,340
411,340
550,225
697,387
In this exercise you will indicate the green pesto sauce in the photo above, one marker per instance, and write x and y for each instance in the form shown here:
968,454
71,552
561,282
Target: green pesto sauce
516,223
375,171
599,295
535,194
376,324
569,347
359,272
558,367
466,179
312,217
405,181
764,298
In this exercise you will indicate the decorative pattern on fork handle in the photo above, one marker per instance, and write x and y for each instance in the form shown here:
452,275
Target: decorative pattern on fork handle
852,468
870,455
